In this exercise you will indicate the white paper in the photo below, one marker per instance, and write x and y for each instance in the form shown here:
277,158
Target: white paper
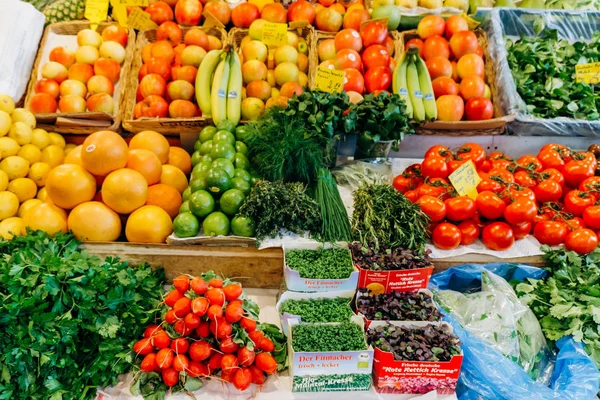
21,28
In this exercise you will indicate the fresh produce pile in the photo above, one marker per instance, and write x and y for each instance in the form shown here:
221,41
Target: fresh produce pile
68,320
331,263
551,195
388,259
209,326
430,4
397,306
344,336
324,309
85,79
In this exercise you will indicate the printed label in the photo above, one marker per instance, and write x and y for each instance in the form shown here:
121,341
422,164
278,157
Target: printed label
403,92
465,180
380,282
96,11
274,34
140,20
328,363
331,383
329,80
221,93
588,73
232,94
418,94
429,96
295,283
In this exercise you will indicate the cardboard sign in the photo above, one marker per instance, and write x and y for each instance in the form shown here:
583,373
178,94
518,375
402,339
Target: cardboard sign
403,280
465,180
140,20
329,80
588,73
274,34
96,11
210,20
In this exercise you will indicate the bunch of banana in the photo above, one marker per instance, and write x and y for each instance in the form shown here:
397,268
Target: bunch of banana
412,82
219,85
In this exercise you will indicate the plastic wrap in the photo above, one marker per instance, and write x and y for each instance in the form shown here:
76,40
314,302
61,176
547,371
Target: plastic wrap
488,374
513,23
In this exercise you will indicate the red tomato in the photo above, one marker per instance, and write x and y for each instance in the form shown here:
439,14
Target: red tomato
504,175
416,42
434,167
498,236
378,78
576,172
551,233
591,184
488,185
501,164
439,151
301,10
529,162
554,175
523,178
515,193
469,231
588,158
454,164
581,241
446,236
551,158
375,56
460,208
436,46
548,190
402,184
435,191
244,14
520,231
479,109
490,205
577,201
348,39
347,58
575,223
520,212
433,207
472,151
353,81
412,195
591,217
374,33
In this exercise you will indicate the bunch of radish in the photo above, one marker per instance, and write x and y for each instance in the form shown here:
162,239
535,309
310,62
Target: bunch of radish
208,328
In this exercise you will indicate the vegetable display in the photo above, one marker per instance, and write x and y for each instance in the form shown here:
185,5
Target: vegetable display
331,263
397,306
319,310
345,336
387,259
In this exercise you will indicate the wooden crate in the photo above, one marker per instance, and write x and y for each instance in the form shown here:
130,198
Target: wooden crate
87,122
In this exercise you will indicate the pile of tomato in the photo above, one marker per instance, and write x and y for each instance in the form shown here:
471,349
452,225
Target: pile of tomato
555,196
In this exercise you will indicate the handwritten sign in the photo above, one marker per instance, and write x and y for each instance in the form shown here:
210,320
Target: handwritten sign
588,73
210,20
140,20
465,179
119,12
329,80
274,34
96,11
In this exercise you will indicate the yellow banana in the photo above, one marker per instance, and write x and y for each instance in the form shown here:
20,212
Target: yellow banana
234,89
219,90
414,90
399,84
204,78
426,89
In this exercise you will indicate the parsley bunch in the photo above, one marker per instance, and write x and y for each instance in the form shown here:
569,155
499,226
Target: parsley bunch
68,320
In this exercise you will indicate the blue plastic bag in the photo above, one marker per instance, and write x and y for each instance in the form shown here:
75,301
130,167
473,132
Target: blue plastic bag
488,374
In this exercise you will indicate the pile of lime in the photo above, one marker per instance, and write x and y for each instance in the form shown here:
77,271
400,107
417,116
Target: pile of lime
219,184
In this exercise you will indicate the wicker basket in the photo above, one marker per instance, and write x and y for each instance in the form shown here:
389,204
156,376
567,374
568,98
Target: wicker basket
166,126
494,126
86,122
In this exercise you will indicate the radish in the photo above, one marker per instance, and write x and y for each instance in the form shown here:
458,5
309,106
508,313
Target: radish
215,283
170,317
149,363
203,330
215,311
242,379
215,362
229,362
227,345
152,330
232,291
248,324
181,363
199,285
215,296
170,377
267,345
258,376
200,306
143,347
180,345
172,297
181,283
234,312
164,358
245,356
200,350
161,340
182,307
266,363
192,321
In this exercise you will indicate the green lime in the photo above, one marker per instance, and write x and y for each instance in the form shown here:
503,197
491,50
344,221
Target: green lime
231,201
225,164
201,203
186,193
207,158
242,173
224,136
185,207
242,133
207,134
197,145
226,125
241,184
222,150
241,147
198,183
216,224
241,161
186,225
242,226
196,158
218,180
206,148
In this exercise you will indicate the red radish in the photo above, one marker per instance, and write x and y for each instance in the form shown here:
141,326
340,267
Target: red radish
215,362
182,307
228,375
180,345
181,363
234,312
242,379
227,345
214,312
258,376
152,330
161,340
200,350
222,328
215,283
248,324
149,363
197,369
180,327
164,358
267,345
199,285
143,347
266,363
215,296
229,362
170,377
232,291
170,317
200,306
172,297
245,356
203,330
192,321
182,283
256,337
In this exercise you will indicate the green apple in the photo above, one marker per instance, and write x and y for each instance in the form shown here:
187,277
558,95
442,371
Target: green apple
392,13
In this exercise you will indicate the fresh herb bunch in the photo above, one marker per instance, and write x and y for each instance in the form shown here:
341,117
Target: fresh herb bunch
336,224
319,310
277,205
331,263
568,301
387,259
382,117
543,69
345,336
428,343
68,320
397,306
384,218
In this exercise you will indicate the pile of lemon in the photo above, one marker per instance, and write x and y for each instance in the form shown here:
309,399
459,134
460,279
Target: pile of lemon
27,155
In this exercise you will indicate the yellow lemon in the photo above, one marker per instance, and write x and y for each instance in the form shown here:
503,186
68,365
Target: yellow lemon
8,147
42,195
69,147
24,188
21,132
30,153
40,138
28,205
38,173
5,123
15,167
57,139
3,181
23,115
10,227
6,103
9,205
53,155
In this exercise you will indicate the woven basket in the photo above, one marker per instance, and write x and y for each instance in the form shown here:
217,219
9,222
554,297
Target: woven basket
494,126
86,122
166,126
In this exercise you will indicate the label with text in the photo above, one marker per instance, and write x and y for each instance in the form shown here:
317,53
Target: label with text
588,73
332,362
329,80
296,283
465,180
96,11
140,20
274,34
405,280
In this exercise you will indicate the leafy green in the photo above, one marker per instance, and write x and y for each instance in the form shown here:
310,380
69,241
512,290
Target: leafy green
331,263
336,224
323,309
68,320
345,336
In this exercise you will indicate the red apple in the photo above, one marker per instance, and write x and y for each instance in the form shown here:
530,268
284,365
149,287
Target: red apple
185,73
153,84
301,10
182,109
100,84
42,103
101,102
108,68
72,104
62,56
81,72
48,86
151,107
188,12
180,90
329,20
220,10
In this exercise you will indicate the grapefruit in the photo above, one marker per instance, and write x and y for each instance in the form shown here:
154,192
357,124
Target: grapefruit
69,185
124,190
104,152
94,221
148,224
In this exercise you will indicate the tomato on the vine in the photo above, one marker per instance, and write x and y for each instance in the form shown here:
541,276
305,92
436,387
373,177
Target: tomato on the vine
515,193
490,186
503,174
498,155
575,223
520,231
412,195
433,207
453,164
469,231
551,158
581,241
520,211
472,151
434,167
548,190
591,217
501,164
529,163
551,233
438,151
577,201
587,158
460,208
524,178
402,183
446,236
486,165
490,205
576,172
554,175
498,236
591,184
427,189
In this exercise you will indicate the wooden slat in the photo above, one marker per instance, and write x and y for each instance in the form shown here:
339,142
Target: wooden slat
442,264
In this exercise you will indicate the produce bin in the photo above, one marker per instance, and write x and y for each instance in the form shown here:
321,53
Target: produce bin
65,34
410,16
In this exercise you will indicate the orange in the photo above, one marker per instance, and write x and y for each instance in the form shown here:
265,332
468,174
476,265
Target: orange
470,65
69,184
104,152
74,156
125,190
148,224
47,218
146,163
95,222
165,197
471,87
152,141
173,176
180,158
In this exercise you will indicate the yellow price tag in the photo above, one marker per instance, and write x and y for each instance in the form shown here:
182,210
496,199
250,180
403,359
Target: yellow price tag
471,23
465,180
210,20
139,3
274,34
96,11
588,73
140,20
329,80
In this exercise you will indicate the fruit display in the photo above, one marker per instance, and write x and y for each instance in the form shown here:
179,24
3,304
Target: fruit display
385,6
83,75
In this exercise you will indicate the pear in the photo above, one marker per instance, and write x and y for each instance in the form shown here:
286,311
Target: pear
460,4
475,4
392,13
431,4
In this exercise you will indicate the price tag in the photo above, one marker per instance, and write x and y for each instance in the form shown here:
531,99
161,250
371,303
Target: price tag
210,20
274,34
139,3
119,12
471,23
588,73
329,80
140,20
96,11
465,180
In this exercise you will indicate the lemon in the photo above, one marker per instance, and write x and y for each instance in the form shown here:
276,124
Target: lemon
28,205
30,153
68,148
24,188
8,147
21,132
57,139
53,155
15,167
42,195
3,181
10,227
38,173
9,205
23,115
40,138
5,123
6,103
